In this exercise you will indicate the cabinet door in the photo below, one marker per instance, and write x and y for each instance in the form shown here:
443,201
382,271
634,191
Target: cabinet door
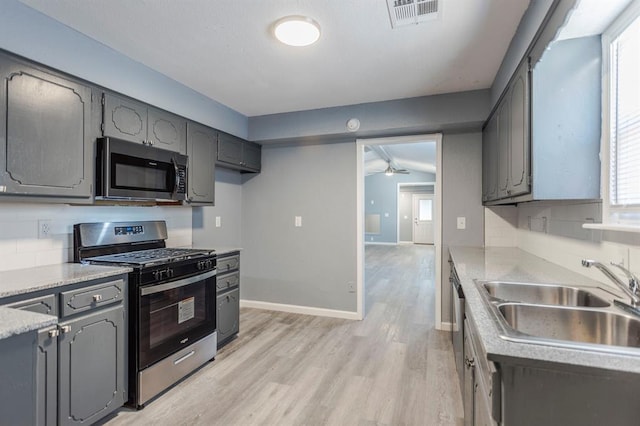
519,133
167,131
490,160
482,411
124,118
91,371
45,127
468,393
47,376
229,149
503,147
228,315
201,149
252,156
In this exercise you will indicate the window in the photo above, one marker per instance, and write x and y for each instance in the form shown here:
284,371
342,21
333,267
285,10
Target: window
621,119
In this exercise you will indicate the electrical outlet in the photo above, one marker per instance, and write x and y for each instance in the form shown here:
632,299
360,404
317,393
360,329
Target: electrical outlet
462,222
351,286
298,221
44,228
218,221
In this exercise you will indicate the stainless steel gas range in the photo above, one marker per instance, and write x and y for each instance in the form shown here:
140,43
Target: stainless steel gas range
172,300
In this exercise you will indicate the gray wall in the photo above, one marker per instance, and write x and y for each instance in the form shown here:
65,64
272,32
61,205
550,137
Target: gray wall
33,35
383,191
309,265
527,29
400,117
228,206
461,196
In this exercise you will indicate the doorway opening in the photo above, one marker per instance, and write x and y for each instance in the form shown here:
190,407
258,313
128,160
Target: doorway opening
416,211
378,221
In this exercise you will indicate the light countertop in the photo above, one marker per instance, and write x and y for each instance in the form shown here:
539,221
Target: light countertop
23,281
511,264
20,281
16,321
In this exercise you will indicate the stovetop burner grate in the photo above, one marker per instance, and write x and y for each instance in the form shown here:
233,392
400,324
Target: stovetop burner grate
143,257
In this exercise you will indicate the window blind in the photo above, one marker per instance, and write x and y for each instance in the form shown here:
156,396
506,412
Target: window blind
625,117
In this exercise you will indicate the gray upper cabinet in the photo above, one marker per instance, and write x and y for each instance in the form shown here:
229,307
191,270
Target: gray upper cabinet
135,121
490,160
236,153
503,147
46,146
201,149
548,122
519,130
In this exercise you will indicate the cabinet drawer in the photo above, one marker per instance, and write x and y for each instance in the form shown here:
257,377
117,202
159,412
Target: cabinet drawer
229,263
227,281
42,305
88,298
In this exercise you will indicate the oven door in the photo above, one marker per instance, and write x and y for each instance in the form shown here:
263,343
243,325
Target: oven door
175,314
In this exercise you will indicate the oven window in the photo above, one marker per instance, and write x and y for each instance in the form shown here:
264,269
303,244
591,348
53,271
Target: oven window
172,319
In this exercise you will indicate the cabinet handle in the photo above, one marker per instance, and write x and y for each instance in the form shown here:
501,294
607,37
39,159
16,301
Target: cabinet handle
65,328
150,142
97,297
54,333
470,363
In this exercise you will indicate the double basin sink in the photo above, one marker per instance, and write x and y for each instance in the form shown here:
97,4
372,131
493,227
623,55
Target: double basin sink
584,318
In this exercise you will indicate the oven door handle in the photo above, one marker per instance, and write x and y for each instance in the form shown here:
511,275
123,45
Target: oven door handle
152,289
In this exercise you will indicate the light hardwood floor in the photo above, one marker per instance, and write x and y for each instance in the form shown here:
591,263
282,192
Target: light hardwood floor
392,368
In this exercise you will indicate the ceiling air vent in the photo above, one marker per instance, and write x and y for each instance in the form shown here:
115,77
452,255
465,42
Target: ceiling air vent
408,12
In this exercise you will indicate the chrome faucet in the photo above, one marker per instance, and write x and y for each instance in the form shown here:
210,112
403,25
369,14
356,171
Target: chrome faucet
630,289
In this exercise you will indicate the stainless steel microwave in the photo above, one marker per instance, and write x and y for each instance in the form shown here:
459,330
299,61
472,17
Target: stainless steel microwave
131,171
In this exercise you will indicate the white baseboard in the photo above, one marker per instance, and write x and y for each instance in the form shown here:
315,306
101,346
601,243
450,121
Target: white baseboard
375,243
445,326
296,309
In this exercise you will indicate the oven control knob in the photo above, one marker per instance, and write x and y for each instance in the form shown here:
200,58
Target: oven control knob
169,272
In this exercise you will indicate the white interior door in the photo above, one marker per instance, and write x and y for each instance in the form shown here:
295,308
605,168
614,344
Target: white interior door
423,219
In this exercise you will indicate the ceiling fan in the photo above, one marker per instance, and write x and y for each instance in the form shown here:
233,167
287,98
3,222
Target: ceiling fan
393,171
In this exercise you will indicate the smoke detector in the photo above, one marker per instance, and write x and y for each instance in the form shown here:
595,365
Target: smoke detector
412,12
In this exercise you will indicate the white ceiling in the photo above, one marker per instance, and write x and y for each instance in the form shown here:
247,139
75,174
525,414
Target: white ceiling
225,50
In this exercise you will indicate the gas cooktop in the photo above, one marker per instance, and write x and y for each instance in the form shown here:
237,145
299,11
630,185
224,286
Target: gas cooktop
151,256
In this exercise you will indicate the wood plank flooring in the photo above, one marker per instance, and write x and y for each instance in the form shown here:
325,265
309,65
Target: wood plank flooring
392,368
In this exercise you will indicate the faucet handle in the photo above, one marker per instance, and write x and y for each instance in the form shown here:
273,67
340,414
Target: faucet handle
634,281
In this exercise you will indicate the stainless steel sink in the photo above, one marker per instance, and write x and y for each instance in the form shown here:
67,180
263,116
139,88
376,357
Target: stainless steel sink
601,327
544,294
559,315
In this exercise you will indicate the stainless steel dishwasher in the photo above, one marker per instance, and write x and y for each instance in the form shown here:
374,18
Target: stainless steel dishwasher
457,323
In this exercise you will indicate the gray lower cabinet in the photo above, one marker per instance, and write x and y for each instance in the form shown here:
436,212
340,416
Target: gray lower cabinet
239,154
228,297
135,121
228,315
79,364
91,366
47,377
46,145
201,149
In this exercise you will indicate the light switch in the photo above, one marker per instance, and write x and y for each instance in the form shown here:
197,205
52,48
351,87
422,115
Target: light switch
462,222
298,221
386,215
218,221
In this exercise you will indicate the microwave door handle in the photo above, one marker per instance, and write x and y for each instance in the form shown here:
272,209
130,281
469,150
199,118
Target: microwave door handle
176,175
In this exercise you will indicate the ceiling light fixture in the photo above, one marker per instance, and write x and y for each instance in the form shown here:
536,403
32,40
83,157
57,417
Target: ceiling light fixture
389,171
297,30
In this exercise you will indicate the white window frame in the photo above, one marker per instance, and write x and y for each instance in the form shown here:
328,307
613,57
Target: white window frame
611,214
